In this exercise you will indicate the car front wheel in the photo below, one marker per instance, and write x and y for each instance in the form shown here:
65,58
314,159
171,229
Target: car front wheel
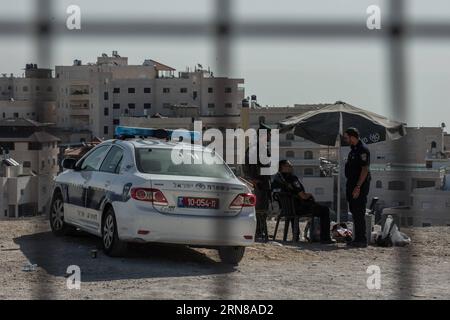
112,246
231,255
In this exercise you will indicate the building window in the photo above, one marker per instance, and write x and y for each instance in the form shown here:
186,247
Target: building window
211,105
105,129
289,136
116,105
227,89
147,90
22,192
147,105
131,90
27,164
183,90
210,90
194,95
42,164
106,111
131,105
105,96
116,90
396,185
290,154
308,155
49,89
379,184
15,114
126,111
425,184
116,122
25,88
308,171
228,105
54,161
166,90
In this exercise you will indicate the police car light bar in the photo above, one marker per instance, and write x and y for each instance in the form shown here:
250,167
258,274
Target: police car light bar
126,132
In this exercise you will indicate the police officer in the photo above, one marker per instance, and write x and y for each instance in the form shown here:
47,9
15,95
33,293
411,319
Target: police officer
305,205
358,183
252,172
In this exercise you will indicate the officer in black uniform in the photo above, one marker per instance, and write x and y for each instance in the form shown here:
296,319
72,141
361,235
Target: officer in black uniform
358,184
261,184
305,205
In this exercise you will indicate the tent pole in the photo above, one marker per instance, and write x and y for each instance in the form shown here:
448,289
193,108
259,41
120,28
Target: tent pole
341,130
338,206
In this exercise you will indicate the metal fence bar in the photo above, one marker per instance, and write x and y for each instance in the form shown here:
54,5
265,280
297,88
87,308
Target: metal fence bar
224,30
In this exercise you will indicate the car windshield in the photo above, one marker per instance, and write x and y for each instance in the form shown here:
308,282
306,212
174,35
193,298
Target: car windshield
159,161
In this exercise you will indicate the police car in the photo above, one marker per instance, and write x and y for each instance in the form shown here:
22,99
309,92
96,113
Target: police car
130,190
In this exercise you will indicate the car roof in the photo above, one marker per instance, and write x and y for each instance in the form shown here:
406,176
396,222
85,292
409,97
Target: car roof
155,143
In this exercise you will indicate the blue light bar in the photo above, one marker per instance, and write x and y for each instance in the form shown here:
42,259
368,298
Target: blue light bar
122,131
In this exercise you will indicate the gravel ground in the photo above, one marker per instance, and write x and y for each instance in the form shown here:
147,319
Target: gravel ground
268,271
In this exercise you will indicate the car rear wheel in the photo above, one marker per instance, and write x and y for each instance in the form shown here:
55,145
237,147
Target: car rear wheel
112,246
231,255
56,217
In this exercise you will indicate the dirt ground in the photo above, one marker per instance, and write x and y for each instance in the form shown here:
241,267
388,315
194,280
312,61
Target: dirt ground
268,271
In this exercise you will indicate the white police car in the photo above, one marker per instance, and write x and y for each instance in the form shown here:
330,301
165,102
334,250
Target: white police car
132,191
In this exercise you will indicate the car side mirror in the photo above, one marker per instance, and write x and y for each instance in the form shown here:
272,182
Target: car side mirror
69,163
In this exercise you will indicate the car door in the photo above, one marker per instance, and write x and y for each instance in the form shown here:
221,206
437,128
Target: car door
102,188
78,191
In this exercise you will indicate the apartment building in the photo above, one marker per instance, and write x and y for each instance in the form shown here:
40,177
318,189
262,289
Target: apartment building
421,164
28,143
18,186
30,96
415,145
94,96
428,207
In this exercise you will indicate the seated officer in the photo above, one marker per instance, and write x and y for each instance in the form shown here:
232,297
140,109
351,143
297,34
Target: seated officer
305,204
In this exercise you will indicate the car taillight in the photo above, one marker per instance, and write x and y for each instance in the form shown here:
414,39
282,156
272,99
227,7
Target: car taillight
243,200
151,195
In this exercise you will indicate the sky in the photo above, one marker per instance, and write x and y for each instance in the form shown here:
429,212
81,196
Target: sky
280,71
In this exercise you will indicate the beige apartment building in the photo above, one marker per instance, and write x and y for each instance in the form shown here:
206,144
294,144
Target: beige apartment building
27,142
30,96
428,207
18,186
94,96
418,142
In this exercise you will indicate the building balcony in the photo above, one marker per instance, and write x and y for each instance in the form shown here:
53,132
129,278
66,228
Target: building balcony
79,111
79,96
